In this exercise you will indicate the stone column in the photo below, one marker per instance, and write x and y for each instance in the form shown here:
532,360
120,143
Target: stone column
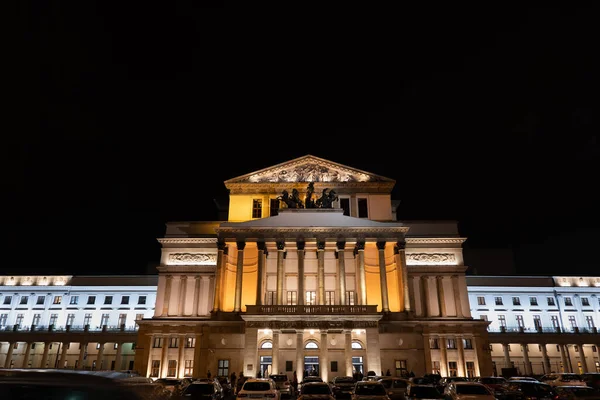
26,357
441,299
341,271
373,350
563,357
9,353
462,370
457,300
300,355
583,359
197,296
82,349
238,276
506,355
164,357
199,361
546,360
323,359
280,271
443,357
301,295
100,357
400,256
385,307
526,359
182,294
425,295
180,358
569,358
219,273
251,351
321,271
63,354
427,351
45,355
362,280
260,272
119,356
275,360
167,299
348,352
477,350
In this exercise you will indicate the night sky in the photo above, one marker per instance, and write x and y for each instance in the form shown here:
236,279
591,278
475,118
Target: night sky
123,116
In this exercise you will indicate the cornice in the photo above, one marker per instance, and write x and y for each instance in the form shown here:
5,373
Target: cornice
410,240
187,240
310,229
340,187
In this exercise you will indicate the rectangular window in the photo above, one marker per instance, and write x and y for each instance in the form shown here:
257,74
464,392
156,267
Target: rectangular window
585,301
436,367
173,342
434,343
190,342
292,299
188,368
3,318
452,368
87,319
24,300
142,300
40,300
19,320
480,300
157,343
311,298
589,321
498,301
91,300
329,298
74,300
53,319
122,319
468,344
520,323
36,319
400,367
533,301
572,321
350,298
345,205
104,320
554,320
551,301
363,209
7,300
155,368
516,301
125,300
450,343
271,298
333,367
57,300
70,319
274,207
172,368
470,369
502,320
537,322
108,299
568,302
223,368
289,366
256,208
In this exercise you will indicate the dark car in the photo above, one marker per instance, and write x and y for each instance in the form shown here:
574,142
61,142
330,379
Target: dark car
203,390
524,390
422,392
283,384
396,387
342,386
592,379
494,383
576,393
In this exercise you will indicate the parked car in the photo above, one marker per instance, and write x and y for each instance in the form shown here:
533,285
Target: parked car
423,392
371,390
203,389
396,387
592,379
259,388
311,378
576,393
283,384
462,390
525,390
316,391
563,379
342,386
494,383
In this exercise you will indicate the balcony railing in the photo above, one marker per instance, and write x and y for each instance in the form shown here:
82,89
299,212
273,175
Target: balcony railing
310,309
67,328
546,329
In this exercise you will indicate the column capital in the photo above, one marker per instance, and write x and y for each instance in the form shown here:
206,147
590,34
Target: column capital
341,245
197,277
300,244
439,277
280,245
169,277
321,245
360,246
221,244
240,244
183,277
381,245
399,246
262,246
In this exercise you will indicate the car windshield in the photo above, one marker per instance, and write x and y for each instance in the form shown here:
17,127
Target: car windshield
200,388
279,378
370,390
315,389
492,381
471,389
344,379
256,386
424,392
570,377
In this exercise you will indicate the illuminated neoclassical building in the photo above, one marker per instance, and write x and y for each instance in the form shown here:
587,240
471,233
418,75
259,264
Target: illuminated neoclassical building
312,271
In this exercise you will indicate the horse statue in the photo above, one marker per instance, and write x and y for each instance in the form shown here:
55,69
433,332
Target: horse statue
292,201
327,198
308,200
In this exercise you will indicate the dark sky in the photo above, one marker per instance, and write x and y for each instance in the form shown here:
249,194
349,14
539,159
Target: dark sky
123,116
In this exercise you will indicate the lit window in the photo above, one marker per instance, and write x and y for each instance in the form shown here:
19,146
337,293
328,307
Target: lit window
356,345
74,300
481,300
267,344
311,345
57,300
256,208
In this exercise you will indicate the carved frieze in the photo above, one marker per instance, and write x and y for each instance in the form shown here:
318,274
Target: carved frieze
430,259
321,325
193,258
309,172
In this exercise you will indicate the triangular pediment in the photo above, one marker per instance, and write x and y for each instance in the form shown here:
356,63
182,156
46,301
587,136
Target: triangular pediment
308,169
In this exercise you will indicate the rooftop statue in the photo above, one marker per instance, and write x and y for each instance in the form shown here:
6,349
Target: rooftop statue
292,201
327,198
308,200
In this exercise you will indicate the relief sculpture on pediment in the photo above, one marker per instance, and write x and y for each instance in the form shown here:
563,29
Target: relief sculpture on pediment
309,172
193,258
430,259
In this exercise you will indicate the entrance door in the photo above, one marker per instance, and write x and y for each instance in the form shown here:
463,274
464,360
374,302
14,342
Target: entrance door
265,365
311,366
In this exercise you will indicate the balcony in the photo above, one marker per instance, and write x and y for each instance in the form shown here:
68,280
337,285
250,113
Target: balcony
311,310
546,329
67,328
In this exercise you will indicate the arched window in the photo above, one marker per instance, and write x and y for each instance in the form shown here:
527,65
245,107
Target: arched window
356,345
311,345
267,344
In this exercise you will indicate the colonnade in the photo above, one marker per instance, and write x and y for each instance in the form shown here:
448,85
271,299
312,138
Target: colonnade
196,361
202,284
442,354
436,306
